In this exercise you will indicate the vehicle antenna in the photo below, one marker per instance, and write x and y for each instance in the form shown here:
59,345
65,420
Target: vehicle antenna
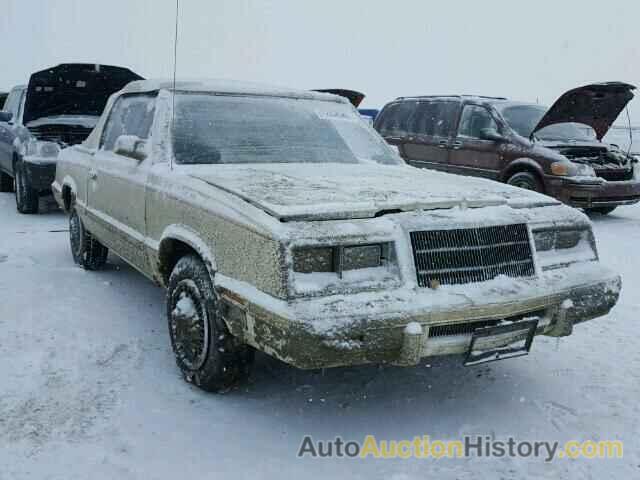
630,131
175,69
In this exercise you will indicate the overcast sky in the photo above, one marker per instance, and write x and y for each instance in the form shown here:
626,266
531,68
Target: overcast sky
526,50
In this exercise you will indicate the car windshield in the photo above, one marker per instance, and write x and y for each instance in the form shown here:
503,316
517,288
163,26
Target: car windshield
257,129
524,118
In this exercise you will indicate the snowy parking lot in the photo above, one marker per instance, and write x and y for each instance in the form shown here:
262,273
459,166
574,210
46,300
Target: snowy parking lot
90,389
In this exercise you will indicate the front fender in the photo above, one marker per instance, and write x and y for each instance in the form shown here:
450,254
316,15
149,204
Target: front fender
519,165
188,236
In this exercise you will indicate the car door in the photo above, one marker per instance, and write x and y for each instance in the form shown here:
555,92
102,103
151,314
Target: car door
429,134
9,130
117,183
471,154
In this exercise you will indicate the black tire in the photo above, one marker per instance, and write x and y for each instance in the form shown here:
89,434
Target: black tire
27,199
601,210
206,353
6,183
87,252
526,180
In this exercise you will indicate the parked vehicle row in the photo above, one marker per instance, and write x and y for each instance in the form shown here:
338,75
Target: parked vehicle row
279,221
557,150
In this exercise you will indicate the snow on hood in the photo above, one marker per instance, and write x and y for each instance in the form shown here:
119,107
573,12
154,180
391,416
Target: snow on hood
597,105
295,191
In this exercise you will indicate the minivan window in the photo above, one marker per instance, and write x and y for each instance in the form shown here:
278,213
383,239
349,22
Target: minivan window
475,119
394,119
210,129
131,115
433,119
524,118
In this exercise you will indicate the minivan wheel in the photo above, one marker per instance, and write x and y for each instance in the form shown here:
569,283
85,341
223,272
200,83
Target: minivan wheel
206,353
87,252
6,183
27,198
526,180
601,210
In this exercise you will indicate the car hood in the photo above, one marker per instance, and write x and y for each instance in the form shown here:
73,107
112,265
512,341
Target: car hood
293,192
597,105
73,89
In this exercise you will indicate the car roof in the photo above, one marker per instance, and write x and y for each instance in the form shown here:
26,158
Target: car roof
229,87
480,98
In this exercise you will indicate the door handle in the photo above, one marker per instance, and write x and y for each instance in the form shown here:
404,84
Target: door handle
456,145
93,174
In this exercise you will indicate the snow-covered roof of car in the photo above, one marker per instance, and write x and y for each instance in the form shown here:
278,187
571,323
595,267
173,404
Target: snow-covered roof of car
229,87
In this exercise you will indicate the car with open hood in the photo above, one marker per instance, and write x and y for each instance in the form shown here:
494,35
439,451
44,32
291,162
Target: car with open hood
278,220
557,151
59,107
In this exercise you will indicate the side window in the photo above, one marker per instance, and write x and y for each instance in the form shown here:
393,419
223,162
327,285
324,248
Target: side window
131,115
433,118
474,119
12,104
395,119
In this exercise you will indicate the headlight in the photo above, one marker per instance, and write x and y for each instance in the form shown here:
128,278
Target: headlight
339,259
561,247
570,169
37,148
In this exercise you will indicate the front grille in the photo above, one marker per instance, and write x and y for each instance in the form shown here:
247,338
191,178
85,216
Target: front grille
445,257
469,328
67,135
614,174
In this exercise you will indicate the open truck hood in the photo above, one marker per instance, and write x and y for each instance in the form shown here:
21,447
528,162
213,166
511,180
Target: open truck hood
294,191
597,105
354,97
74,89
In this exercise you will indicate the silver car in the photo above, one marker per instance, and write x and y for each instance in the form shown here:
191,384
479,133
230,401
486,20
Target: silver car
279,220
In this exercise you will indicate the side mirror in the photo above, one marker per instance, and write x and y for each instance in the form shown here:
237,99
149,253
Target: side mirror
5,116
132,147
491,134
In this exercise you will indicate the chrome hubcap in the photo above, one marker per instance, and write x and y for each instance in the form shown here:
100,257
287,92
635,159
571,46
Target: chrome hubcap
189,325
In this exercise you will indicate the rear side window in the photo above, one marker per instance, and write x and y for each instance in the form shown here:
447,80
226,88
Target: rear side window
433,119
475,119
394,119
131,115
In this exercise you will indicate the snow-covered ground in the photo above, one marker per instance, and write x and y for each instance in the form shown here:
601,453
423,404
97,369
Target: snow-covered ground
89,388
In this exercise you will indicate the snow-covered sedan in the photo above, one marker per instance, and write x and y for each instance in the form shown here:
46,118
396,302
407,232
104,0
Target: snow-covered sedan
277,220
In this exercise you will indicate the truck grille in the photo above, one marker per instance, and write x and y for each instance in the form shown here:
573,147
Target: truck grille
615,174
66,135
445,257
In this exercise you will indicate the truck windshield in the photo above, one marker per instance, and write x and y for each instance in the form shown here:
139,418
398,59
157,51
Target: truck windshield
524,118
253,129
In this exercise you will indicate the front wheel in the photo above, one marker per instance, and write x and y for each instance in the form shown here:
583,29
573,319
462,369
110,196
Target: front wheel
206,353
6,183
601,210
87,252
526,180
27,198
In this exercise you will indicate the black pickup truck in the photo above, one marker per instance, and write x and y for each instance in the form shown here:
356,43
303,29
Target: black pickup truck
59,107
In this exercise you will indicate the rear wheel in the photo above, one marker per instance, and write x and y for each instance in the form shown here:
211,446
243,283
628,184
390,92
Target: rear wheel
27,199
87,252
6,183
526,180
601,210
206,353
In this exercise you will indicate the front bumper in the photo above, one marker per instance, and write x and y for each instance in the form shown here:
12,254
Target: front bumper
585,194
371,327
40,175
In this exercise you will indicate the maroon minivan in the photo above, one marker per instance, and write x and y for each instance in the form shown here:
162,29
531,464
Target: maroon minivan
557,151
